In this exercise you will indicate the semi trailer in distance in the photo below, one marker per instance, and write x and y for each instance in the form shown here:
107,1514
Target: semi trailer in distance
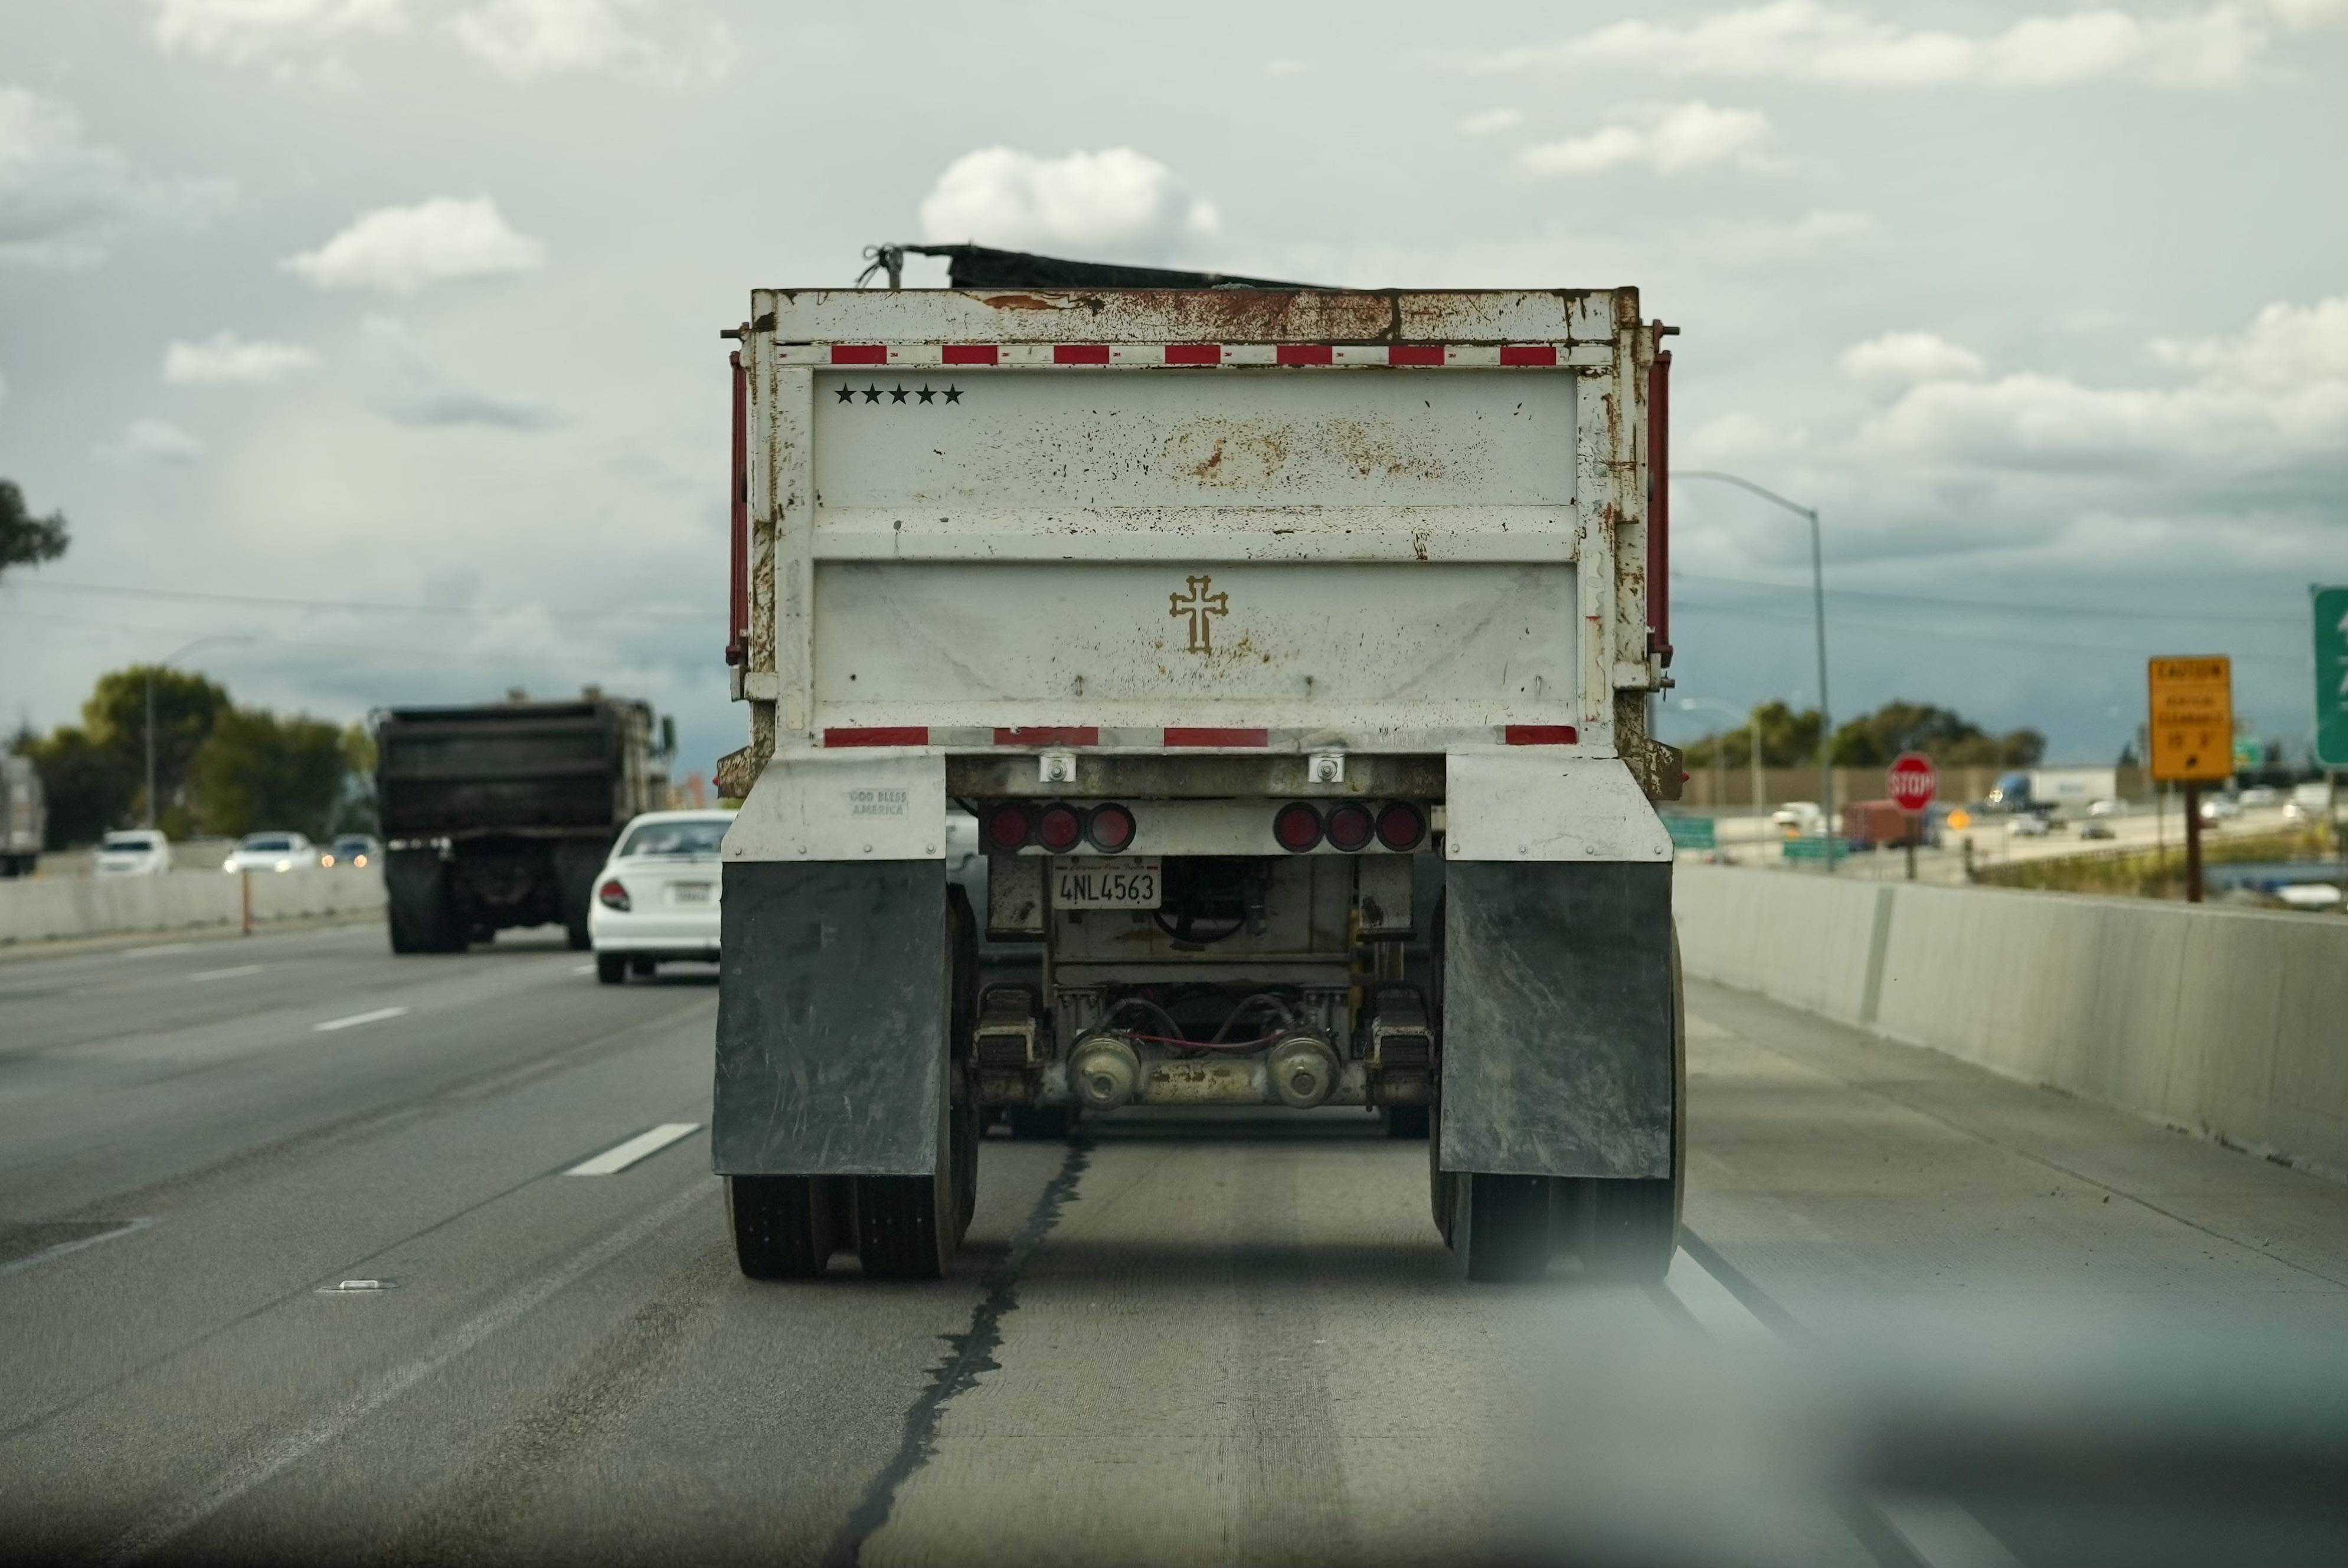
501,814
1293,649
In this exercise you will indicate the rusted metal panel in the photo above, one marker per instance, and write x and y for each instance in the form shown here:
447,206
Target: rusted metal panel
1187,315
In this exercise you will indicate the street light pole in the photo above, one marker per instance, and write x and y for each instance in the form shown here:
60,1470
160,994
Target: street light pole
1819,606
166,664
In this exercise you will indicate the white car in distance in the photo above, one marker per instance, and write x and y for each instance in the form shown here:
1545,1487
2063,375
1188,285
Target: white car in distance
656,897
133,852
272,852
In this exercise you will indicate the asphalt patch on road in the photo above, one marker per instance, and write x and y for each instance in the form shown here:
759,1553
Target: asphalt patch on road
969,1356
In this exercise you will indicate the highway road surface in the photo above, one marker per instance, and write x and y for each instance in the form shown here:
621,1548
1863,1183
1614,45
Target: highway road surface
1920,1312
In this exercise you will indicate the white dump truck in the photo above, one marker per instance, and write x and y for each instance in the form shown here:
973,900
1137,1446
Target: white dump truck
1291,648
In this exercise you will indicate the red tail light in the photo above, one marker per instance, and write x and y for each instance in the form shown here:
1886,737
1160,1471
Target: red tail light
612,895
1110,829
1059,828
1401,825
1350,827
1008,827
1298,827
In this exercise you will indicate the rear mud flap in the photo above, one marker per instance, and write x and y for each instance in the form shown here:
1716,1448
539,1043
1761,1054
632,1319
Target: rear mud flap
832,1014
1557,1018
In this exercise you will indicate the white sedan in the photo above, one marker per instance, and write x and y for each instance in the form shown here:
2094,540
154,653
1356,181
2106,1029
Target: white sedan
272,852
133,852
656,897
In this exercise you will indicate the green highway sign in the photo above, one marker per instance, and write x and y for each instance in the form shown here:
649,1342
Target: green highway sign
2332,677
1816,848
1692,832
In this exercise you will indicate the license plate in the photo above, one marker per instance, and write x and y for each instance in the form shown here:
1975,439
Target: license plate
1109,882
689,892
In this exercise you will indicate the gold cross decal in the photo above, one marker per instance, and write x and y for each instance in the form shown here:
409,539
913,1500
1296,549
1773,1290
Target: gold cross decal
1198,604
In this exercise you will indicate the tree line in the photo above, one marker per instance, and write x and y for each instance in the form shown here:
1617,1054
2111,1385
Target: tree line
220,769
1790,739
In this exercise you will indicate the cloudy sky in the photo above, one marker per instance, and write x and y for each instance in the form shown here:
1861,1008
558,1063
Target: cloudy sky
406,311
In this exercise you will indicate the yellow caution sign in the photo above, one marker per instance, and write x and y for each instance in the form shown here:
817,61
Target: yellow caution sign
2192,727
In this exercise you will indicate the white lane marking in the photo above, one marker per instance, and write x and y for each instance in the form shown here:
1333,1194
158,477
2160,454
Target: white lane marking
1938,1530
243,1476
1942,1533
644,1145
152,952
1712,1305
359,1018
228,974
582,968
17,1265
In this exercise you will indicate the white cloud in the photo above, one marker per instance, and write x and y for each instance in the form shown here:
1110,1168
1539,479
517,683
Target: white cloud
404,248
521,40
2218,46
63,196
290,37
526,40
402,381
1115,200
1491,122
151,443
1752,241
1676,141
227,359
1908,359
2270,400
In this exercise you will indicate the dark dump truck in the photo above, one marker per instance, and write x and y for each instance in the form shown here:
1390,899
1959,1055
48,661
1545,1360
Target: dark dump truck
501,814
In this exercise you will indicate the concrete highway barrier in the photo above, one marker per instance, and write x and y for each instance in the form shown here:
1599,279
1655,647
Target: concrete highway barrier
50,908
2229,1023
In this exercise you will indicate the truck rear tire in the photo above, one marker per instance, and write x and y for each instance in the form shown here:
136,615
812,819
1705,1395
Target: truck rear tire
1405,1121
418,906
907,1227
1629,1229
784,1226
575,932
905,1224
1501,1225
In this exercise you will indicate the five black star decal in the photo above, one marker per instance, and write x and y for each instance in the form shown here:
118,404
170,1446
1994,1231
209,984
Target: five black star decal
874,391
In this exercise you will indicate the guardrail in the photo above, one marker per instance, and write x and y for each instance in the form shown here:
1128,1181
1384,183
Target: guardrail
51,908
2229,1023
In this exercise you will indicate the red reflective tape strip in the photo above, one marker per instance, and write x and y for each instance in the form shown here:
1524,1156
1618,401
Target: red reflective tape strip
973,353
1527,353
883,735
1539,734
1194,354
1214,737
859,354
1306,354
1050,735
1080,353
1414,353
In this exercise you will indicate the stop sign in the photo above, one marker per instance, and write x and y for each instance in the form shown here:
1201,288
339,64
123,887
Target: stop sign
1913,781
